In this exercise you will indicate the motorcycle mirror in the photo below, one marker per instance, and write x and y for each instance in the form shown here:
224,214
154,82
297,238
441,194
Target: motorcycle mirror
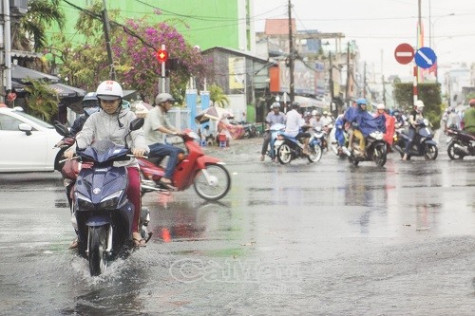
136,124
61,129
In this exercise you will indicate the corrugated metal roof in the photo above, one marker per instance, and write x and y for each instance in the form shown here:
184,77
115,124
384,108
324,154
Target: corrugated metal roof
25,54
23,74
234,52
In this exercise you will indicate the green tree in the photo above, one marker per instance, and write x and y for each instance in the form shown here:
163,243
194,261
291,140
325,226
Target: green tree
429,93
217,95
134,45
42,101
31,27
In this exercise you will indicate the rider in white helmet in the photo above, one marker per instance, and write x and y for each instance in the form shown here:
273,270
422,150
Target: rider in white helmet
156,127
112,124
414,117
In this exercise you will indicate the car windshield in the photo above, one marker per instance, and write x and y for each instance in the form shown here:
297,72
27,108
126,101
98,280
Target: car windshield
35,119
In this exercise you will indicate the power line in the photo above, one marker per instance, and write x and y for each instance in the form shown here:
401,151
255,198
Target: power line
125,28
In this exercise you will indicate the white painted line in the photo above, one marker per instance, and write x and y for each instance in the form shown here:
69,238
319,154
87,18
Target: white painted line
427,59
404,54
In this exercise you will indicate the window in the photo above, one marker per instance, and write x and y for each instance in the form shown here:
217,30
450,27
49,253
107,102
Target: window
8,123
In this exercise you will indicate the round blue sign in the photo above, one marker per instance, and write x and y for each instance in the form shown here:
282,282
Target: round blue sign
425,57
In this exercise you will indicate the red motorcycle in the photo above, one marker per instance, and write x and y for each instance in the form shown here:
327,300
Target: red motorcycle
207,174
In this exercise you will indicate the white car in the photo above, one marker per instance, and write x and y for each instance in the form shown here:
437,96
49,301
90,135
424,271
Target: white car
27,143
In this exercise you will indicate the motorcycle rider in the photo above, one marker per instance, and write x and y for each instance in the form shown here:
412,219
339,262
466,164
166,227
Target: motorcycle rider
453,120
363,123
294,124
156,127
111,124
90,105
400,121
390,123
275,116
316,120
327,119
414,118
469,118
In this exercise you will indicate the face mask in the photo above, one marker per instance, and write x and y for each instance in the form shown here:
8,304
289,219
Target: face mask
125,104
91,110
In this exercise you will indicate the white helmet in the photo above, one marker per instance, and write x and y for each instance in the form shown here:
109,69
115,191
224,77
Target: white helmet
380,106
109,90
419,105
163,97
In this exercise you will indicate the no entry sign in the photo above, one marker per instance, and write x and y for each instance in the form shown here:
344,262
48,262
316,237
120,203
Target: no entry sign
404,53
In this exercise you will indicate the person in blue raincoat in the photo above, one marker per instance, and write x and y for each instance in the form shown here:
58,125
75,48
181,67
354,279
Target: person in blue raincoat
363,122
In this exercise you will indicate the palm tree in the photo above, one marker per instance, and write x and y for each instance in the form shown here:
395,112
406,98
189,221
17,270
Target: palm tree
42,101
217,95
31,27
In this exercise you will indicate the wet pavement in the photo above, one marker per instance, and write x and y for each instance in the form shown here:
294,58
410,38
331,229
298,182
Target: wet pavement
304,239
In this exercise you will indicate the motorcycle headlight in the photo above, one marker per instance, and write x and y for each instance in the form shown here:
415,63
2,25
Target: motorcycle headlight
110,202
84,203
377,135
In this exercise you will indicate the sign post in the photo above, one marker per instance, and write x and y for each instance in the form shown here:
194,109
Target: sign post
162,56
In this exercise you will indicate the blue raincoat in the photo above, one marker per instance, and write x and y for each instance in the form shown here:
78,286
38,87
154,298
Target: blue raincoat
366,122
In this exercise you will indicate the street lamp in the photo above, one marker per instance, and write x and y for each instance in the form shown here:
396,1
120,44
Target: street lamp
432,23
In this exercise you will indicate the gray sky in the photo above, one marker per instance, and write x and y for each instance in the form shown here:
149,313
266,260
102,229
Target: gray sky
378,26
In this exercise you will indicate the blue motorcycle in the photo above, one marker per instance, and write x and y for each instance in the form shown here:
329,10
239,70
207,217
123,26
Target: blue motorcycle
423,144
289,148
102,211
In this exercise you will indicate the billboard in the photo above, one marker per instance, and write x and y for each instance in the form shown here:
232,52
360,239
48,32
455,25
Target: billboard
237,72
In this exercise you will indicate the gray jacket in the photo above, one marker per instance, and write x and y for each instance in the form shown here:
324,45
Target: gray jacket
102,126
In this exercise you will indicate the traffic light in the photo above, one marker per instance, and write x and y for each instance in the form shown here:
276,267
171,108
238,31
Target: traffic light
162,56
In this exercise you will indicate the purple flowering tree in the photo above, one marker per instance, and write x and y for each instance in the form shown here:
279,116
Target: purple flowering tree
136,64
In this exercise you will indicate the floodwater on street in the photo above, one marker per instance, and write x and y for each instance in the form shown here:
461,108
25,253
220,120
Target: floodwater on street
304,239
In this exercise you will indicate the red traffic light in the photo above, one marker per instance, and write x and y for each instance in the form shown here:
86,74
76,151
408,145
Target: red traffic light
162,55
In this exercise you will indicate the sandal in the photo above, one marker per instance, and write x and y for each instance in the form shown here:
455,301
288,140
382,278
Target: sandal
74,244
138,241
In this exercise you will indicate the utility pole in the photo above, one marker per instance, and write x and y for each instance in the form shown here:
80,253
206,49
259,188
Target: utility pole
6,75
332,96
348,73
364,81
105,21
291,55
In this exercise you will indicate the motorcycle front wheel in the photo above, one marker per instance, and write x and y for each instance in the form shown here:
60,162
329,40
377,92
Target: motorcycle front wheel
431,152
212,183
284,154
380,154
452,152
97,243
315,153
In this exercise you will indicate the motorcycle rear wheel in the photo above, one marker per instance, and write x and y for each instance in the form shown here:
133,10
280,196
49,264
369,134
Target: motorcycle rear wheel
284,154
452,152
97,240
216,186
430,152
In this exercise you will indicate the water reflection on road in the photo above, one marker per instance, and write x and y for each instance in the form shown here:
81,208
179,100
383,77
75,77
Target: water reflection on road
326,238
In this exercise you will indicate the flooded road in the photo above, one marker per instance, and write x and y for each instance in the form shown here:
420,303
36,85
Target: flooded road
304,239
